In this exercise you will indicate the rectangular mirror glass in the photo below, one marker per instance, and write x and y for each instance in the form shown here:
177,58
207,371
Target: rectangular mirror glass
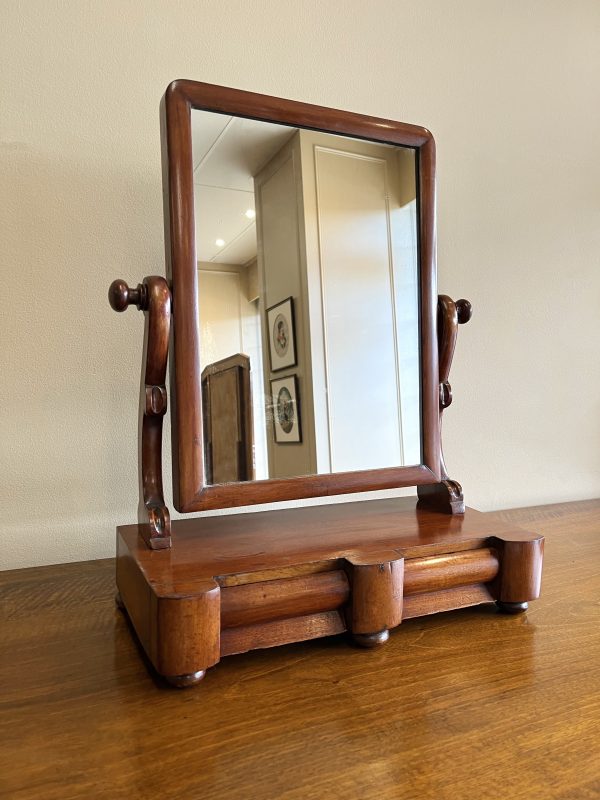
308,297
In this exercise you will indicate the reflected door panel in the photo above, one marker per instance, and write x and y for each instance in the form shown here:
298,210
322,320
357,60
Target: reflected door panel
358,311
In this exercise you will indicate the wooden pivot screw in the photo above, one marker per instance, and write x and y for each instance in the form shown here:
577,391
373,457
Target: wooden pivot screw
120,296
464,310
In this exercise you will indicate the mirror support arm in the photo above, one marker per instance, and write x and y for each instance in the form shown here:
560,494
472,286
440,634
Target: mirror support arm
153,297
447,495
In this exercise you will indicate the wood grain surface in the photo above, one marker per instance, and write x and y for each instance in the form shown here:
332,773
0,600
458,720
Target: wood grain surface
466,704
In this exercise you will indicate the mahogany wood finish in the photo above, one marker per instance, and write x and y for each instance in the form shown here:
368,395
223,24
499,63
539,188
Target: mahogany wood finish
236,583
154,299
191,490
264,601
447,495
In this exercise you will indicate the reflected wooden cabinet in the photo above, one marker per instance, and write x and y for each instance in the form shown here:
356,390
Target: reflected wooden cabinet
227,407
359,243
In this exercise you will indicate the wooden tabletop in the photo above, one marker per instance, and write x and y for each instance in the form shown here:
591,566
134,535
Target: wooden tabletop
467,704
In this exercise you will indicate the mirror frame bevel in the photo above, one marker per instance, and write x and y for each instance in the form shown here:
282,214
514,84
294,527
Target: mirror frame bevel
190,493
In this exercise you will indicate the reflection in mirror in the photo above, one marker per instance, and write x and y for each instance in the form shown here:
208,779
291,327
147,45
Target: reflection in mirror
306,245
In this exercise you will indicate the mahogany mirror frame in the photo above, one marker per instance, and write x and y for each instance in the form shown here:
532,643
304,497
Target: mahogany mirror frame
190,492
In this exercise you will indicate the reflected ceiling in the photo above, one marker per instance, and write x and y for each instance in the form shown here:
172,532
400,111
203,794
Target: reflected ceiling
228,152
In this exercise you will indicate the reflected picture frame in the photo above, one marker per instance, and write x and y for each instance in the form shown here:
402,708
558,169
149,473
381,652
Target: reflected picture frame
281,329
285,402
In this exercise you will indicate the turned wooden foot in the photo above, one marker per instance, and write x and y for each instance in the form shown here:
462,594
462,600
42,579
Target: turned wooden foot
511,608
371,639
119,601
182,681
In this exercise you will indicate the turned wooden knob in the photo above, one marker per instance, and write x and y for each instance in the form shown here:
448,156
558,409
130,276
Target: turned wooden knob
120,295
464,310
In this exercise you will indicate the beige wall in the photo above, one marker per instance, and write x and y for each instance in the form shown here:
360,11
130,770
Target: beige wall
510,90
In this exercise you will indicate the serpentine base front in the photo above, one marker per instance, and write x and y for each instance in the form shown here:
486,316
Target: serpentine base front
240,582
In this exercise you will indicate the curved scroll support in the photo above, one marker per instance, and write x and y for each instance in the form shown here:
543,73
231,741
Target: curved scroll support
446,496
153,297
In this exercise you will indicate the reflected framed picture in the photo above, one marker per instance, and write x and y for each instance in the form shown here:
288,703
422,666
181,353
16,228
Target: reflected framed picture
286,410
282,335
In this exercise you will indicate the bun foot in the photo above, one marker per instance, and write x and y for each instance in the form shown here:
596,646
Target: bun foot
182,681
511,608
371,639
119,601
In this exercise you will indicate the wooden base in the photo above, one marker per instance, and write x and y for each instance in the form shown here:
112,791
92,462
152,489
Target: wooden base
240,582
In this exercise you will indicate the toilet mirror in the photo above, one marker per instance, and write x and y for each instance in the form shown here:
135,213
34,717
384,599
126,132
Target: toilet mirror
300,252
